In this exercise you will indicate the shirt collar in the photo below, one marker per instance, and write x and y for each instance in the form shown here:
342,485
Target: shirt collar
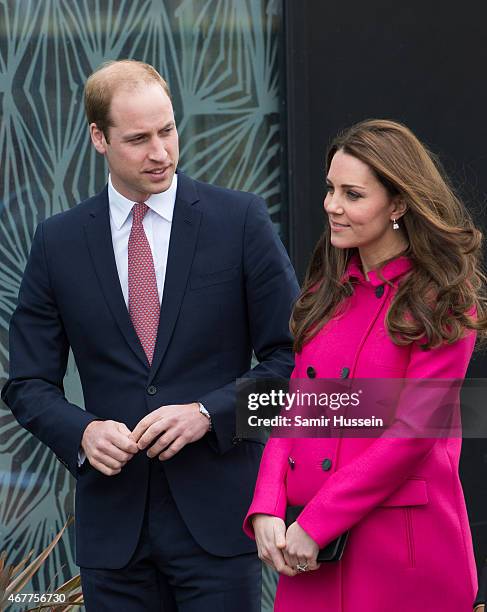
391,271
161,203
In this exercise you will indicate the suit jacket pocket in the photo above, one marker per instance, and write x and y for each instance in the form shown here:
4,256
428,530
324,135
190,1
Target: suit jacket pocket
199,281
414,492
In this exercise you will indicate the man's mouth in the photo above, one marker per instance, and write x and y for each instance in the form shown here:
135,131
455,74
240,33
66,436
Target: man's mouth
157,171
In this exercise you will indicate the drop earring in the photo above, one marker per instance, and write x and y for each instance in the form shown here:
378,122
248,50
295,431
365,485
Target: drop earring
395,225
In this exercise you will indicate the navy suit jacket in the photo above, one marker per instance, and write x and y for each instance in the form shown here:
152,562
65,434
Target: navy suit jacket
229,288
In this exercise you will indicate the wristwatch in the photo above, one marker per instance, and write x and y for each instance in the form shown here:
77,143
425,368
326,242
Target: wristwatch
205,413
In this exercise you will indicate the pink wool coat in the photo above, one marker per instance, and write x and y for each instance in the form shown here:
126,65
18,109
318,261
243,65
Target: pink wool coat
410,548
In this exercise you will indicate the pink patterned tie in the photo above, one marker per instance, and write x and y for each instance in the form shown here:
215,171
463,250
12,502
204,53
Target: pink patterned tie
144,307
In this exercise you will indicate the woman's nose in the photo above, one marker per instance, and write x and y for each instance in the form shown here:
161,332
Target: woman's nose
332,205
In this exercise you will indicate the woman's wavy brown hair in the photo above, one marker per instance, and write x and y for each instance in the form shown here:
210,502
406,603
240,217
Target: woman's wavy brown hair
446,286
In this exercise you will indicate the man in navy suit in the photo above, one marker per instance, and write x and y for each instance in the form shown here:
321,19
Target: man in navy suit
162,286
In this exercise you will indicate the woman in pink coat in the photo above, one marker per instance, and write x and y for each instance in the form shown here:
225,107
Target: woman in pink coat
394,290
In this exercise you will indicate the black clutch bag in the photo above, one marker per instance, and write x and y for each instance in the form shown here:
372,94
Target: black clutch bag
333,551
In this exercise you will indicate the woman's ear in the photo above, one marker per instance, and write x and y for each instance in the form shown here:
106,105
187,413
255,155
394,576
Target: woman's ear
399,207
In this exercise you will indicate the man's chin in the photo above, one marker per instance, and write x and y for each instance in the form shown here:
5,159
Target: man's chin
158,186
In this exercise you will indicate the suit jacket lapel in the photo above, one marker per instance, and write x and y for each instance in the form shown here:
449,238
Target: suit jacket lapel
99,238
184,234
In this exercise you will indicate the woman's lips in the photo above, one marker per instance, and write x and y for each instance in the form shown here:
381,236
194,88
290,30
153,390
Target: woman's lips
338,227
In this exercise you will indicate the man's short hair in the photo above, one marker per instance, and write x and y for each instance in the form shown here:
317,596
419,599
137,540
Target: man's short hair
104,82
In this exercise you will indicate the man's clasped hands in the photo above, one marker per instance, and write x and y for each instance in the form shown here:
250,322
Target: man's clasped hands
109,445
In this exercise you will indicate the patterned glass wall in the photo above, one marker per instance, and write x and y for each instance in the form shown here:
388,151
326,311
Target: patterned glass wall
220,58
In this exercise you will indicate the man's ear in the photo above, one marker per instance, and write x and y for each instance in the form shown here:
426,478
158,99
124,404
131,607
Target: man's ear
399,207
98,138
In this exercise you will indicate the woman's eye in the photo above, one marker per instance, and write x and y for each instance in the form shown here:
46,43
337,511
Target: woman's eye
353,195
328,189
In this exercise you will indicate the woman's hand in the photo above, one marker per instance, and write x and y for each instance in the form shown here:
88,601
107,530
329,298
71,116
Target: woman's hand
300,549
270,535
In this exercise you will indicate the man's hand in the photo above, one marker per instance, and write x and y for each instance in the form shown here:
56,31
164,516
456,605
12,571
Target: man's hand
169,429
270,536
300,548
107,446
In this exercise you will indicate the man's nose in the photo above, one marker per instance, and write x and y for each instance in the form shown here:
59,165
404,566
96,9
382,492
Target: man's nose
157,150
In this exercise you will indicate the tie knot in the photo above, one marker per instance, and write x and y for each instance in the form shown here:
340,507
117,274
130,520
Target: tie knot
138,211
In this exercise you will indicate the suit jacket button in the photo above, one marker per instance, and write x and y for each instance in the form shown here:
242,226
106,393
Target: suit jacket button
152,390
311,372
326,465
345,372
236,440
379,291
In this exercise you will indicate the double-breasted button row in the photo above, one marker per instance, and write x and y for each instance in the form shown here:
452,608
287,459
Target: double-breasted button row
311,372
325,464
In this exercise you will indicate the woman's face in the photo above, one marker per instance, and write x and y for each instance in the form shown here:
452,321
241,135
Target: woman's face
360,210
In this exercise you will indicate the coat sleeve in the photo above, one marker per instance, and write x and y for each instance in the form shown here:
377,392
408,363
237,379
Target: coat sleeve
38,359
270,490
367,481
271,289
270,495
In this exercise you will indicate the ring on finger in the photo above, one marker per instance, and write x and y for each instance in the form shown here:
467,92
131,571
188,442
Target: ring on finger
302,567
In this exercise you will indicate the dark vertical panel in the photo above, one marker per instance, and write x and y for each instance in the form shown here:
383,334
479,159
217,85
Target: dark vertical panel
302,212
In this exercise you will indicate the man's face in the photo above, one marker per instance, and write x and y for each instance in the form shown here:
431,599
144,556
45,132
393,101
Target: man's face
143,151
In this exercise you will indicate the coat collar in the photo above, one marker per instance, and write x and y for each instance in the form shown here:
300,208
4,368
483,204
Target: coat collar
388,273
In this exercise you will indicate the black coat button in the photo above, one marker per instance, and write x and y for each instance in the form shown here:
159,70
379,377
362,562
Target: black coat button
236,440
291,462
345,372
379,291
311,372
326,465
152,390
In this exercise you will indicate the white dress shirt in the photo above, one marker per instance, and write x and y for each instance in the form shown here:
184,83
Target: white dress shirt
157,226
